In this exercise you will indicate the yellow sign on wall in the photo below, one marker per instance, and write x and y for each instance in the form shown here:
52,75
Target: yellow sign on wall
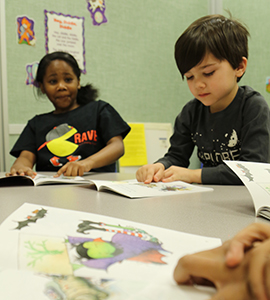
135,147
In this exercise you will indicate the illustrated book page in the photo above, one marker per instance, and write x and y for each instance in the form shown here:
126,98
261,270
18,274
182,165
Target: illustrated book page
40,179
135,189
50,252
256,177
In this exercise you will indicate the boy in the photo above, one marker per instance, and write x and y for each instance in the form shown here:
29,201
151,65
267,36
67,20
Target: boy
224,121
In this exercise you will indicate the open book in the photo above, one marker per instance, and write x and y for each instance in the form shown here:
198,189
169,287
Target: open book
39,180
128,188
135,189
256,177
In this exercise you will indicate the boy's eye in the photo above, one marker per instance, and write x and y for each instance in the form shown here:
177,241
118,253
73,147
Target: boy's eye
189,77
68,79
52,81
209,74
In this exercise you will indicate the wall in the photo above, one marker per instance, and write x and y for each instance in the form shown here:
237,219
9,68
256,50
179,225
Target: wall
255,14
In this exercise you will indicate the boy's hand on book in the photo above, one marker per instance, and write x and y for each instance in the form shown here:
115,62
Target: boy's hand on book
174,173
245,240
151,172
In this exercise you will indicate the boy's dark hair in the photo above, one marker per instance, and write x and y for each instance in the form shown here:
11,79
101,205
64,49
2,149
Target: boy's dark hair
85,94
225,38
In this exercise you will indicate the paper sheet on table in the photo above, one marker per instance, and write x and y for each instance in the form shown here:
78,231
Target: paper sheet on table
42,243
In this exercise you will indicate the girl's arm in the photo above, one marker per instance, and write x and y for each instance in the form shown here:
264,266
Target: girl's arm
106,156
23,165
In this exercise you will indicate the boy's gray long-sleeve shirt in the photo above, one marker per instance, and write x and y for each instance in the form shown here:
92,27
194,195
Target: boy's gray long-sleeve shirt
239,132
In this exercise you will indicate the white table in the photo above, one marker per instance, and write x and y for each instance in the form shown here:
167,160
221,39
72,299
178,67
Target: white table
220,213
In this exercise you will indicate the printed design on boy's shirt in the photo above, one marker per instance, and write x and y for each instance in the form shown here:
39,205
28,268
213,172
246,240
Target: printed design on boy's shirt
63,141
226,148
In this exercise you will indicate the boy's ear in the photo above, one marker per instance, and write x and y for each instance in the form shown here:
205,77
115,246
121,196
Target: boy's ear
242,67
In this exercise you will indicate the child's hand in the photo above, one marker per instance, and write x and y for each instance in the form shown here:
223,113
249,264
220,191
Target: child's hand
258,276
208,268
244,240
149,173
178,173
22,171
75,168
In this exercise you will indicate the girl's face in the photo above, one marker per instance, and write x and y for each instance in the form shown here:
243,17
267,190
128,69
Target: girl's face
61,85
214,82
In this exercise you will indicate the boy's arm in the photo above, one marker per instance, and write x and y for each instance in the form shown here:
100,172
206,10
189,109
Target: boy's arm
106,156
23,165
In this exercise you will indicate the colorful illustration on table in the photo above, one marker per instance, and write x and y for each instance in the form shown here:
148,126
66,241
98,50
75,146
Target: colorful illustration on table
101,254
163,187
268,84
90,225
97,10
73,288
38,214
31,70
25,31
65,255
44,254
128,243
246,172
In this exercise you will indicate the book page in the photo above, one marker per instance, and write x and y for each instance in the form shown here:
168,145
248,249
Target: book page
256,177
41,179
55,249
135,189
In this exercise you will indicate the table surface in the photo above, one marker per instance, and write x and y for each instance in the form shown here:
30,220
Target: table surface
220,214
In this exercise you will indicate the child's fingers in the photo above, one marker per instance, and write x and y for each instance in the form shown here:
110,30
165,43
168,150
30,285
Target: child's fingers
267,278
60,171
244,240
257,272
192,269
235,253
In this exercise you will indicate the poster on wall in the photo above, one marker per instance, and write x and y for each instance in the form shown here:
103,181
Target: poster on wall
65,33
97,10
25,31
31,71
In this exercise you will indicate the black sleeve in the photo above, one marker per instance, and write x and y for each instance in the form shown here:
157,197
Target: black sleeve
111,124
26,140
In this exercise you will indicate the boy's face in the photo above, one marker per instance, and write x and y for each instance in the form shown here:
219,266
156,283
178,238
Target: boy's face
214,82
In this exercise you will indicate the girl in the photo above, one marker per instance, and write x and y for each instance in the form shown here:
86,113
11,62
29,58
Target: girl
80,135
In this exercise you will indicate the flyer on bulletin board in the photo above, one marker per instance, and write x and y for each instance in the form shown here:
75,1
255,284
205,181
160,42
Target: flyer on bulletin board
65,33
135,147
